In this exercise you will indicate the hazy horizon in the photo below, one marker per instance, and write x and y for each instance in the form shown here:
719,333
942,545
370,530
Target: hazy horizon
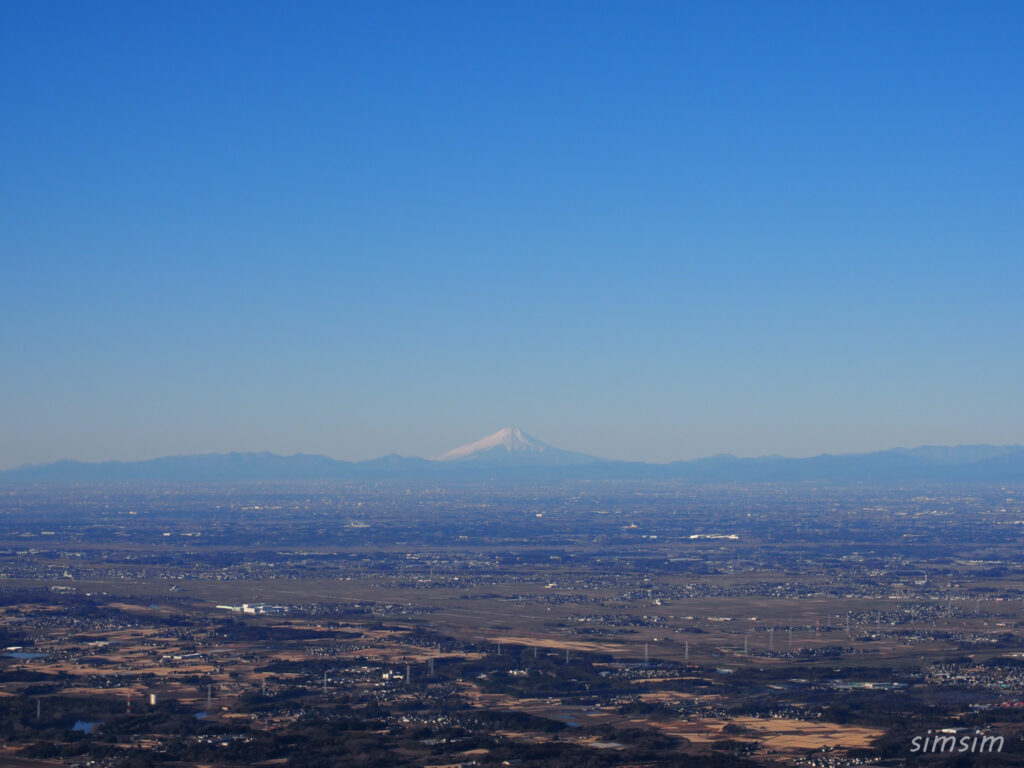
653,231
439,457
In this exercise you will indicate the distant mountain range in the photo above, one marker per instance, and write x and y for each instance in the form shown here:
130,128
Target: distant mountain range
511,454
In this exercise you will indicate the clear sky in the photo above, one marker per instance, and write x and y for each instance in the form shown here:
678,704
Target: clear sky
636,229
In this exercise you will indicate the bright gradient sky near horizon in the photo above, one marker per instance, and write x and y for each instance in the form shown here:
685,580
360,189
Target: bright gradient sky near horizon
639,230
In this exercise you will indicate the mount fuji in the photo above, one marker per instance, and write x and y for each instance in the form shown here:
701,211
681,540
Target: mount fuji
512,446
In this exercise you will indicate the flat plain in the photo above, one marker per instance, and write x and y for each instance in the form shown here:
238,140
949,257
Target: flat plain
608,624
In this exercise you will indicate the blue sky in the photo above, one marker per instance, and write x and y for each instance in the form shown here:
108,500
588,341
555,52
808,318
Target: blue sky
641,230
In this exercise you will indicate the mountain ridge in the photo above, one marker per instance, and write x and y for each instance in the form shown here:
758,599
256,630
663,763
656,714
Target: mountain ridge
511,454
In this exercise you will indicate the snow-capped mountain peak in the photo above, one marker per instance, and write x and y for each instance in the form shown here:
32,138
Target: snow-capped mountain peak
512,445
509,439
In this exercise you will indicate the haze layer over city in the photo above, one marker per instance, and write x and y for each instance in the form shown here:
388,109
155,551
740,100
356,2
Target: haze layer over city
459,384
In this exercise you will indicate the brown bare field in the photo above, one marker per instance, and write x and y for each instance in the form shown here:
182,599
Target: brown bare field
786,734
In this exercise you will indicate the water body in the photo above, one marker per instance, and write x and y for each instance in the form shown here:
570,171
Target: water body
85,726
25,655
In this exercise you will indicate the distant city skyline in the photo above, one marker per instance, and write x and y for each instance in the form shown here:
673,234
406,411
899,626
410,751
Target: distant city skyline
650,231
